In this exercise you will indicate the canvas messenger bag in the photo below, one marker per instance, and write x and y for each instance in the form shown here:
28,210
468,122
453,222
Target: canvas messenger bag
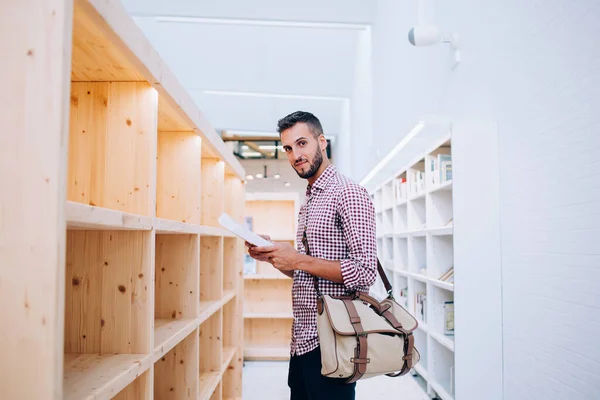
361,337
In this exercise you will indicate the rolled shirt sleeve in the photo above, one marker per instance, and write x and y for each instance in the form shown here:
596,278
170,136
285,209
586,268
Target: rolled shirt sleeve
357,219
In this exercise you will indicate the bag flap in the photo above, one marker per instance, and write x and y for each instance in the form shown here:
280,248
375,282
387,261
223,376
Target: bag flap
369,319
409,323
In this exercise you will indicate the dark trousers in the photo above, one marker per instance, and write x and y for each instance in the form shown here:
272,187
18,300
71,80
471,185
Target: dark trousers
307,383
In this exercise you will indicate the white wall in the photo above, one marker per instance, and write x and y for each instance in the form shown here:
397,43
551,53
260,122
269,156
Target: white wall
361,107
406,80
533,68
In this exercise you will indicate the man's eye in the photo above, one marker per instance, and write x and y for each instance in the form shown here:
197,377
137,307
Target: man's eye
287,149
302,143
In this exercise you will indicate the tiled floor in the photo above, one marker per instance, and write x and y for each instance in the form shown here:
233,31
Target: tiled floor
267,380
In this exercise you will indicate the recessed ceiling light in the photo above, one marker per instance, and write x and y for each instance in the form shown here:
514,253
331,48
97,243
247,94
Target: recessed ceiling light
276,176
287,184
259,176
249,177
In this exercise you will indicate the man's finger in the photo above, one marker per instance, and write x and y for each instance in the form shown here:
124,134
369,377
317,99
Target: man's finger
264,249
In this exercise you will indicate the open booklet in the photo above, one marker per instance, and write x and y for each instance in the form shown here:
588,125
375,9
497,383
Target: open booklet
241,231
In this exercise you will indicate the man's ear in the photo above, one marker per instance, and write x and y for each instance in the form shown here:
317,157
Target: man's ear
322,142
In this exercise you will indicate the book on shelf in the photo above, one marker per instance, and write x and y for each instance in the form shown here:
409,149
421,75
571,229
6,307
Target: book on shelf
399,189
448,276
416,182
449,318
404,296
440,169
421,306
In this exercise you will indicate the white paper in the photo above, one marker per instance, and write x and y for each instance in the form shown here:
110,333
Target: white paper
241,231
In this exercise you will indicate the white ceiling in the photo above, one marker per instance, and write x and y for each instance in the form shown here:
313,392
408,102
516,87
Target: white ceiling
249,63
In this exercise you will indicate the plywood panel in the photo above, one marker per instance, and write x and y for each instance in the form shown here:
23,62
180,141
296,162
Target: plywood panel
93,376
232,273
177,276
179,177
265,212
112,146
211,268
140,389
211,333
108,294
35,49
213,175
268,333
176,374
95,58
234,197
268,296
111,47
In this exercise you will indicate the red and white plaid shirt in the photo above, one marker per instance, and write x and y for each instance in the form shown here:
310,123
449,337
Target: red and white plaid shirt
340,225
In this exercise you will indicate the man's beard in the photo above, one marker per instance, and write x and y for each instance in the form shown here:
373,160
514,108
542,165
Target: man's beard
314,167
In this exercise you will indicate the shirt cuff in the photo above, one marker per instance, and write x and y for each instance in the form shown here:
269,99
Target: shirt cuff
350,274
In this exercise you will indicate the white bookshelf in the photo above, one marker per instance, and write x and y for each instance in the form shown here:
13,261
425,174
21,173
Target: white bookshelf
415,245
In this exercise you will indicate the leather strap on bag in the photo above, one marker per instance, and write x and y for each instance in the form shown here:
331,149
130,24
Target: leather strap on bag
360,359
409,342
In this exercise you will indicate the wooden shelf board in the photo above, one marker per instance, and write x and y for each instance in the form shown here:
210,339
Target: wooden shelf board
228,355
83,216
267,277
168,333
166,226
93,376
266,353
208,308
213,231
208,383
109,46
228,295
265,315
443,340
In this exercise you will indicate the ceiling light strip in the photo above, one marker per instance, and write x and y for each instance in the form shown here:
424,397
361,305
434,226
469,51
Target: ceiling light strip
414,131
257,22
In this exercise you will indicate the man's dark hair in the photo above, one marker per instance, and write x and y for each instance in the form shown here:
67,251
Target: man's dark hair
298,117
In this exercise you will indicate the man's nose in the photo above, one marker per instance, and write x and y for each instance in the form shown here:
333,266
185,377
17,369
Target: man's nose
296,154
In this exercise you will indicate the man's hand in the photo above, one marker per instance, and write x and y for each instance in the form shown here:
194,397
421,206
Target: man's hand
254,254
282,256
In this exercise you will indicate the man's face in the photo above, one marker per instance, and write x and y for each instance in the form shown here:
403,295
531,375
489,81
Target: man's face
302,149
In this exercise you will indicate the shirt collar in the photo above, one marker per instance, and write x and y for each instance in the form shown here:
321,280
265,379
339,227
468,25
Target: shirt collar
323,181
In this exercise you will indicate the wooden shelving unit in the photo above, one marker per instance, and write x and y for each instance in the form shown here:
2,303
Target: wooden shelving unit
415,246
116,280
268,312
